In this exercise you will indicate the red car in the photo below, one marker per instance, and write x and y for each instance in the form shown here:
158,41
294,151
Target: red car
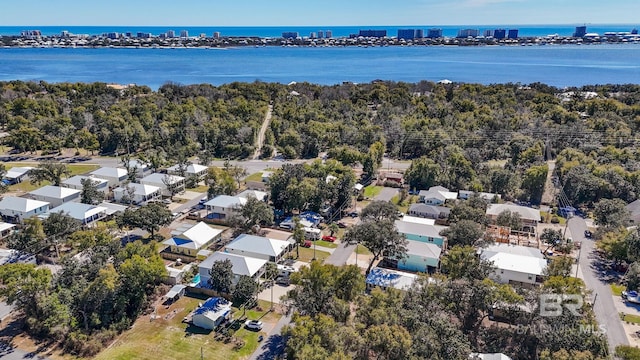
329,238
307,244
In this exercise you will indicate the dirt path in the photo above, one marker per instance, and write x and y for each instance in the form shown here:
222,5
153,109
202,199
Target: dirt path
263,129
549,195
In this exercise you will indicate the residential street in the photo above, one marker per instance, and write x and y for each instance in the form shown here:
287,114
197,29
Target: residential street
10,353
603,307
274,343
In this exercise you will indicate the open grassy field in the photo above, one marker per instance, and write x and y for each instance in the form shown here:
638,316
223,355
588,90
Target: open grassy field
361,250
634,319
254,177
168,338
326,244
306,254
371,191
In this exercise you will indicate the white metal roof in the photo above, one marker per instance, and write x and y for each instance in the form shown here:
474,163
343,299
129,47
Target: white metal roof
21,204
55,192
157,178
259,245
113,208
5,226
16,172
77,180
79,211
526,213
515,258
406,227
190,169
194,237
110,172
423,249
260,195
419,220
242,265
138,189
226,201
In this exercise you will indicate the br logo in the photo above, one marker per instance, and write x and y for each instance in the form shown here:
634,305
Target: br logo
555,304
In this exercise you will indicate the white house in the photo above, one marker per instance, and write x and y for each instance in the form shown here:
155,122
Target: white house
16,209
55,195
189,239
259,247
242,265
429,211
212,313
492,356
138,166
224,206
466,194
6,229
85,213
115,176
436,195
197,170
260,195
17,174
519,265
75,182
165,182
137,193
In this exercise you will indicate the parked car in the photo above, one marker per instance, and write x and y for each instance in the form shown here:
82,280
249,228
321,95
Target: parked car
353,214
588,234
329,238
166,201
255,325
342,225
307,244
283,280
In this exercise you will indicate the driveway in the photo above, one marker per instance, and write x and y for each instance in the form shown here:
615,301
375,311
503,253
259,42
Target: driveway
603,304
387,194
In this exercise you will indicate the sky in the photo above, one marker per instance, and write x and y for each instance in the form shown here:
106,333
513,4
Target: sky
316,13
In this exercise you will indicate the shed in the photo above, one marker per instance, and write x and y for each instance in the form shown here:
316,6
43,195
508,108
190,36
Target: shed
212,313
175,292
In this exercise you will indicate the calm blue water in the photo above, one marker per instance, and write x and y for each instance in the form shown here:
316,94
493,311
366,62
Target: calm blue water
569,65
338,31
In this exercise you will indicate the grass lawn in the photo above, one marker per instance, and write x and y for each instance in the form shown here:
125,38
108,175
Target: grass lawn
371,191
200,189
361,250
27,186
326,244
634,319
617,289
306,254
254,177
168,338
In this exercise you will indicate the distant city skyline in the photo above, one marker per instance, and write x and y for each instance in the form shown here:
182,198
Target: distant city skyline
324,13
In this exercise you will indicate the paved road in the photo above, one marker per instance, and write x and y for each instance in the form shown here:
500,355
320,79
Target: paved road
263,129
7,352
274,343
603,307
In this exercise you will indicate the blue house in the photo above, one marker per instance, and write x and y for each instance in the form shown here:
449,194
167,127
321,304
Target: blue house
426,233
420,257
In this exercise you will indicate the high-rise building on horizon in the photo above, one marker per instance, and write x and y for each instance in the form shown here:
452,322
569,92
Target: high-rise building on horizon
184,34
434,33
465,33
499,34
290,35
581,31
372,33
329,34
216,35
171,34
407,34
320,34
512,34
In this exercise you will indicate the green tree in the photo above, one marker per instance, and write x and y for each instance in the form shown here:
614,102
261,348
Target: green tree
25,286
473,209
220,183
378,210
57,226
509,219
533,182
149,217
463,233
626,352
90,193
462,262
253,214
245,290
3,186
422,173
559,266
388,342
49,171
611,213
380,237
221,276
298,234
31,239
